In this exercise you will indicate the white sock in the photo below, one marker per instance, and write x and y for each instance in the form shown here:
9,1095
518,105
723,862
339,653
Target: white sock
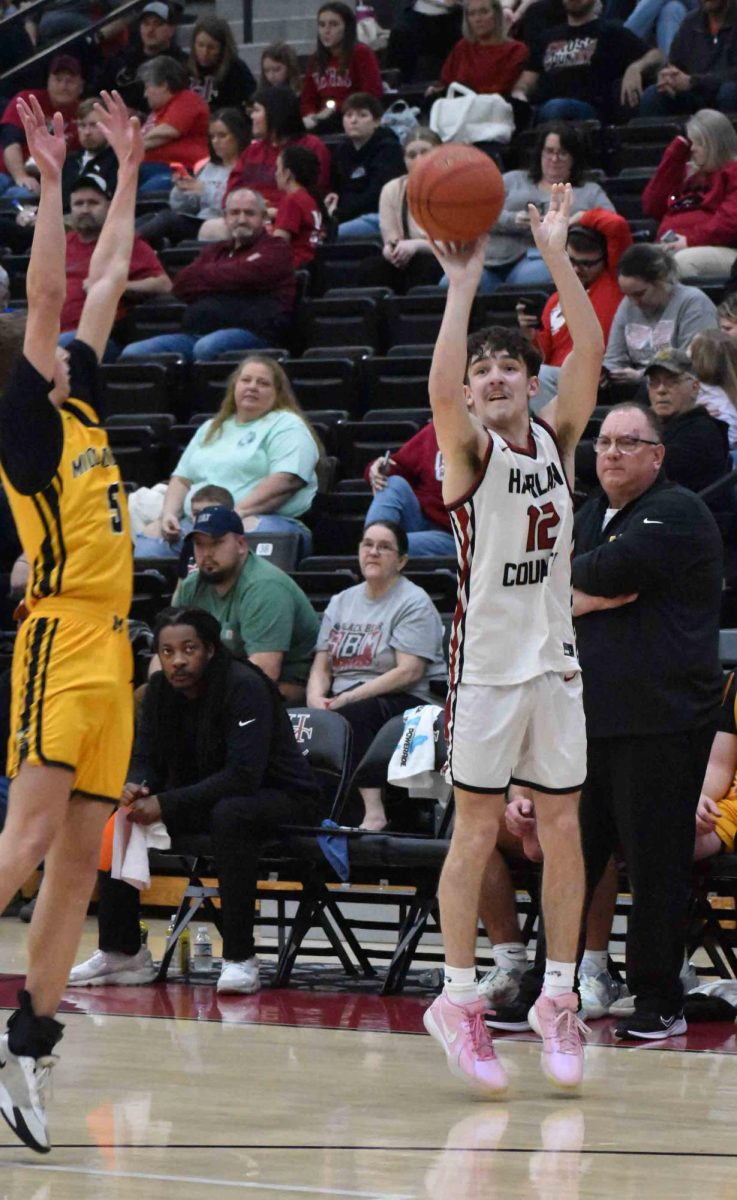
558,977
460,984
594,962
512,956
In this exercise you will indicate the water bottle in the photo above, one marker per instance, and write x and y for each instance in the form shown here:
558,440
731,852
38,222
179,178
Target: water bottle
173,968
185,952
202,952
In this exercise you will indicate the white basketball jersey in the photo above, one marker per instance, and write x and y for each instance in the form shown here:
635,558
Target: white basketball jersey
513,536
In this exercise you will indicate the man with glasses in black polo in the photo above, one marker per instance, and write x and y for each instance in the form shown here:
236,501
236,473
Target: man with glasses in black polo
647,580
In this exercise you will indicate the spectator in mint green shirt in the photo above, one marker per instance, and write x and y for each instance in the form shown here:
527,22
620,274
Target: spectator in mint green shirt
260,447
264,616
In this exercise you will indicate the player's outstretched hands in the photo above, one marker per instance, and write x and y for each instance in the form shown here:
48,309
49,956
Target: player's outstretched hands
47,147
551,231
462,262
122,131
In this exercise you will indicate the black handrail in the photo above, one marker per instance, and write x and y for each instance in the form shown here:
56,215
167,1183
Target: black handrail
79,35
724,483
247,20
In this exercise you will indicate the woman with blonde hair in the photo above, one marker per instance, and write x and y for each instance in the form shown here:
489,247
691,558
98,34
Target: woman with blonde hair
693,194
714,358
484,59
727,313
260,446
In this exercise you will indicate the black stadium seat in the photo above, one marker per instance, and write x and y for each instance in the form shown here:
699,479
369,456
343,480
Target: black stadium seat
321,383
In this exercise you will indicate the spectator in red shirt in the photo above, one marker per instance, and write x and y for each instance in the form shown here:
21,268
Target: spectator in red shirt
240,293
340,66
301,218
484,59
596,242
61,94
177,127
90,201
407,489
276,123
693,194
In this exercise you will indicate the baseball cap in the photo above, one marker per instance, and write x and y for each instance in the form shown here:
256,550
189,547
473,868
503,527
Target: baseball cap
65,62
91,179
216,520
161,10
670,359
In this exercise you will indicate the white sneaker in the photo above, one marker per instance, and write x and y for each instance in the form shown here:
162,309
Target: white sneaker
500,985
241,977
598,994
624,1007
23,1082
108,968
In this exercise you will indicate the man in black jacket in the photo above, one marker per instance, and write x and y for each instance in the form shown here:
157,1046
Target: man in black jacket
702,67
696,444
647,579
214,753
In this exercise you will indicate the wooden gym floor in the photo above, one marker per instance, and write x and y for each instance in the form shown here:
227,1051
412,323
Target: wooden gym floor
171,1092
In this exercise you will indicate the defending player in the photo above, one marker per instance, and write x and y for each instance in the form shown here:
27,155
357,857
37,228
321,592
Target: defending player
71,722
515,710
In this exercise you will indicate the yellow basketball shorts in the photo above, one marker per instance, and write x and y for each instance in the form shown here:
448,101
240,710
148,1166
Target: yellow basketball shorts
726,826
72,700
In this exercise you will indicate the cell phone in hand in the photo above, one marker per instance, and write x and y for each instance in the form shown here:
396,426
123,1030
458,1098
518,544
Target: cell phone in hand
533,305
669,236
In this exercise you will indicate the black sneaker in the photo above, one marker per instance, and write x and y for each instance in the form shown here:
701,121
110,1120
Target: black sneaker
650,1026
512,1017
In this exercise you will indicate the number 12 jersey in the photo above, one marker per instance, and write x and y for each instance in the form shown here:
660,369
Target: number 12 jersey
513,535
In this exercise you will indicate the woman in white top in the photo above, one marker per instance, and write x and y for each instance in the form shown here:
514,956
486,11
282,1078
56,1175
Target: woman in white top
259,446
195,198
380,644
714,357
406,258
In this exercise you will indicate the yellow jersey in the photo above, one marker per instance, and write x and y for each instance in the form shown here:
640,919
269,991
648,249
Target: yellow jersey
65,491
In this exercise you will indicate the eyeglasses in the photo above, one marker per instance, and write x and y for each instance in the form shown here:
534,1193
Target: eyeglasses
557,153
584,264
625,445
379,547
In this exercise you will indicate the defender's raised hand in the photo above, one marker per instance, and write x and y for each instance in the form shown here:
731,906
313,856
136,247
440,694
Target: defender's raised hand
47,147
122,131
551,231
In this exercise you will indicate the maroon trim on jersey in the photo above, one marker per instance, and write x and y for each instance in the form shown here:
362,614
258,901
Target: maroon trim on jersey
530,451
556,443
477,481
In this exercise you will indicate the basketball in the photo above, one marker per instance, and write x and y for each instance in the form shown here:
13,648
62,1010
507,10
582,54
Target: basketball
455,193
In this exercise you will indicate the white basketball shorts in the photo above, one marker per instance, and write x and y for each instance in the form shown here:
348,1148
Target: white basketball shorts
531,733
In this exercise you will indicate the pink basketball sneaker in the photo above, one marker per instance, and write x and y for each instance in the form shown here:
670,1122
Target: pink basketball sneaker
460,1030
554,1019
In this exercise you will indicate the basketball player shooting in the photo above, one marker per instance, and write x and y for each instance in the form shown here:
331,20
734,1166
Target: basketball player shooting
515,703
71,717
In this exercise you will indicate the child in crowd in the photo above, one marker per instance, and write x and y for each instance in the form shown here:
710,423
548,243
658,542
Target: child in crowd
301,217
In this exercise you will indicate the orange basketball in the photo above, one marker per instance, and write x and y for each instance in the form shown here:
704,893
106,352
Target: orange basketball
455,193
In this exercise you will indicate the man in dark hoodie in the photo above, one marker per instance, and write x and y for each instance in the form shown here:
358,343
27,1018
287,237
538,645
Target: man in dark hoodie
214,753
369,159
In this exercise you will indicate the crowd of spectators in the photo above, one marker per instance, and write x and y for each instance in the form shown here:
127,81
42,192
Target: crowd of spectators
264,171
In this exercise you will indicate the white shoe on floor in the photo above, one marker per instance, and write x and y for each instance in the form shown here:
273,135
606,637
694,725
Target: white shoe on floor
106,968
500,985
598,995
239,977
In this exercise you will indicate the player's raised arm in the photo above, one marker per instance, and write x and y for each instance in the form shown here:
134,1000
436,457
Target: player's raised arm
578,384
110,264
46,276
460,437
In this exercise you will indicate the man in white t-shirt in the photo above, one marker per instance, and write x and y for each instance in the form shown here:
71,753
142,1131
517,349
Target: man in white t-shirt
515,710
